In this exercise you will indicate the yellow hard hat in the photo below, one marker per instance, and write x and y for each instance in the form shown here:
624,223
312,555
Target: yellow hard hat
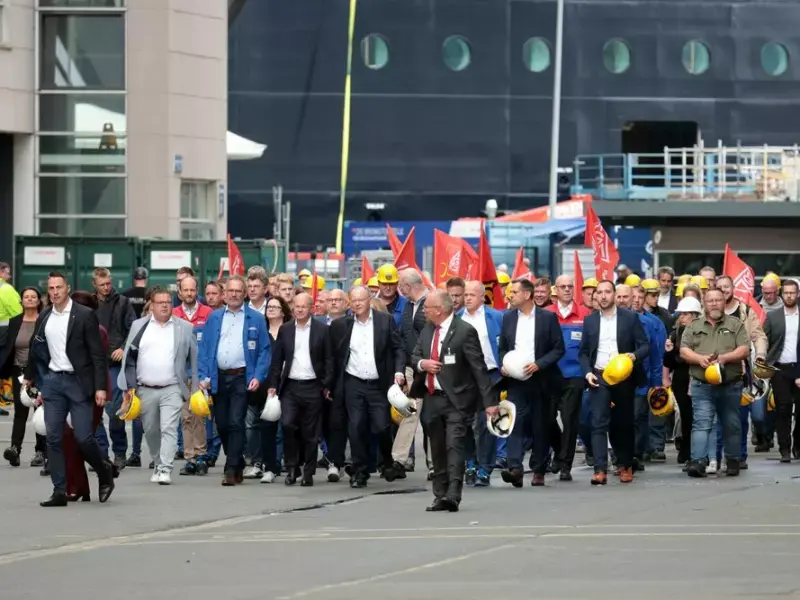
773,277
771,401
387,274
649,285
590,283
304,273
397,416
618,369
685,278
633,280
553,290
503,278
713,374
133,409
198,404
308,282
357,282
508,293
699,281
661,401
747,398
679,290
373,282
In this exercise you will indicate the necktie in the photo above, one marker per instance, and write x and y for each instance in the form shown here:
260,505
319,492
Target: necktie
434,356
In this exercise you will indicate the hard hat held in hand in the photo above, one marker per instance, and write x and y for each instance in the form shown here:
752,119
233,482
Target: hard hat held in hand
661,401
618,369
272,409
762,370
38,421
713,374
397,416
198,404
401,403
131,407
514,363
503,424
26,395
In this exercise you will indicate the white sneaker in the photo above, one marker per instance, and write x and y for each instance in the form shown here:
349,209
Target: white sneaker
268,477
164,478
333,474
154,476
711,469
253,472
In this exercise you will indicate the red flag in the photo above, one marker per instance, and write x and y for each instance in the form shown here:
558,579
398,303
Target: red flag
521,270
367,272
744,281
406,257
578,277
487,272
394,242
606,257
452,257
235,260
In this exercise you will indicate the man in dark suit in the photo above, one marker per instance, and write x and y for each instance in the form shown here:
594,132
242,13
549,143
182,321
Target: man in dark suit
606,333
369,358
666,296
302,371
68,349
781,328
536,333
452,378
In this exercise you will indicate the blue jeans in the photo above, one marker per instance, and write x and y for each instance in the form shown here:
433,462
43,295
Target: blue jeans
641,424
213,442
180,439
116,426
230,403
744,416
722,400
658,432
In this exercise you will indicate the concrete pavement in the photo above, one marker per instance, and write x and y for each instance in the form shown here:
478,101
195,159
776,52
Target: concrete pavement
664,536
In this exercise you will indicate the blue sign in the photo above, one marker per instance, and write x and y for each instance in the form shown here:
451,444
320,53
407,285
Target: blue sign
635,245
360,235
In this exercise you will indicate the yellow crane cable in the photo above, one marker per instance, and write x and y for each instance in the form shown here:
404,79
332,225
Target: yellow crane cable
346,126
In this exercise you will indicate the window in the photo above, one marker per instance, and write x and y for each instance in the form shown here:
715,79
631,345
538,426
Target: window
83,51
81,196
194,200
104,153
696,58
82,113
82,3
196,231
375,51
83,227
616,56
774,59
457,53
536,54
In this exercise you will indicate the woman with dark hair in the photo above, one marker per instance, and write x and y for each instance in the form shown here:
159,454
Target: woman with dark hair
13,360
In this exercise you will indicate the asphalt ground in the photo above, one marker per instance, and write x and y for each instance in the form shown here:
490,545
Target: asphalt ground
664,536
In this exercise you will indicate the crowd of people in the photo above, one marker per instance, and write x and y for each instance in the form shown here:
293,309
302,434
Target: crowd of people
599,364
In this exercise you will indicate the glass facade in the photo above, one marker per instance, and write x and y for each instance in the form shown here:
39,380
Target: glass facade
197,210
81,142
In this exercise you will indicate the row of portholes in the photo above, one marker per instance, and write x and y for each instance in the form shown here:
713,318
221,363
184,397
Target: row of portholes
537,55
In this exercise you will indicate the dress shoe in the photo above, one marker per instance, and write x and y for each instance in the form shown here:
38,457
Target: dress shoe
307,482
537,480
291,479
565,475
786,457
228,480
79,497
599,478
733,467
211,462
389,473
626,476
357,482
512,476
57,499
697,469
134,460
400,469
442,505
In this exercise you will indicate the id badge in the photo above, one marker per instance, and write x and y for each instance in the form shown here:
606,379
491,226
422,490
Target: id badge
449,359
251,344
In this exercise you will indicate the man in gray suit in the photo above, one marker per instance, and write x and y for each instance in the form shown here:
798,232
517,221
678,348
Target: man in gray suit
157,351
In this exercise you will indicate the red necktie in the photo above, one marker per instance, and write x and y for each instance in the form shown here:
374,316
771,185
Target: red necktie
434,356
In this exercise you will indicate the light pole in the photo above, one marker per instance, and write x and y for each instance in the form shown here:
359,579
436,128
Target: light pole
555,129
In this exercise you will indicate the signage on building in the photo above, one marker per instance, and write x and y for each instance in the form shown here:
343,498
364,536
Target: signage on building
45,256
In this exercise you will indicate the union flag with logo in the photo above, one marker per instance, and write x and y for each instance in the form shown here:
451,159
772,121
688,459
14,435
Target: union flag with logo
452,257
744,281
606,256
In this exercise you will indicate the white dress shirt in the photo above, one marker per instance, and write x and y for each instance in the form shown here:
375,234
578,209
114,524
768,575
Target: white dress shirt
302,368
155,365
525,338
261,309
443,329
362,350
607,345
663,300
789,352
564,309
56,334
230,349
415,304
478,321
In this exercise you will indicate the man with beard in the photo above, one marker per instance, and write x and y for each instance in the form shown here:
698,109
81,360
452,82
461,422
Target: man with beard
715,337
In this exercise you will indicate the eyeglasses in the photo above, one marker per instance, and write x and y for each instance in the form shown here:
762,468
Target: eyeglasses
273,307
565,287
163,303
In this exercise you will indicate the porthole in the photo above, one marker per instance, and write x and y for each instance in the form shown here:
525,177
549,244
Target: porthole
616,56
696,57
375,51
536,54
774,59
457,53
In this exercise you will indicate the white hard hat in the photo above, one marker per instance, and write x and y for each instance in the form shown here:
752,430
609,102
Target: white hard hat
689,305
24,397
69,420
272,409
514,363
38,421
503,424
404,405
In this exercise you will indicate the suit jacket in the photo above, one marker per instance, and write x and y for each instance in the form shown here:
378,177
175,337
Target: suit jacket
7,349
631,338
185,352
84,349
320,350
389,355
466,382
673,302
775,329
548,346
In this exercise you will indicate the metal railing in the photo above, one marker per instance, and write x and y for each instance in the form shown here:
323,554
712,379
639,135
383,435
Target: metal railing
740,173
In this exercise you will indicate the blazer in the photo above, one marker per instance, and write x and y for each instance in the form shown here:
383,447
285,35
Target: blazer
255,341
389,355
7,348
84,349
673,302
631,338
775,329
185,352
494,322
466,382
320,350
548,346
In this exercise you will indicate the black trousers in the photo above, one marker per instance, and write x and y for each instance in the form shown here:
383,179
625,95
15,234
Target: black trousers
534,407
301,415
368,415
787,397
334,429
570,406
21,413
616,424
446,429
680,388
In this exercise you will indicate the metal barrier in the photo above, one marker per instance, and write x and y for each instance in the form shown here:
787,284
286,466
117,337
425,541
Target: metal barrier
741,173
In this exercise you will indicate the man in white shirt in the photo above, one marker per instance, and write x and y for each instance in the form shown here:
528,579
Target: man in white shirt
157,351
781,329
666,295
